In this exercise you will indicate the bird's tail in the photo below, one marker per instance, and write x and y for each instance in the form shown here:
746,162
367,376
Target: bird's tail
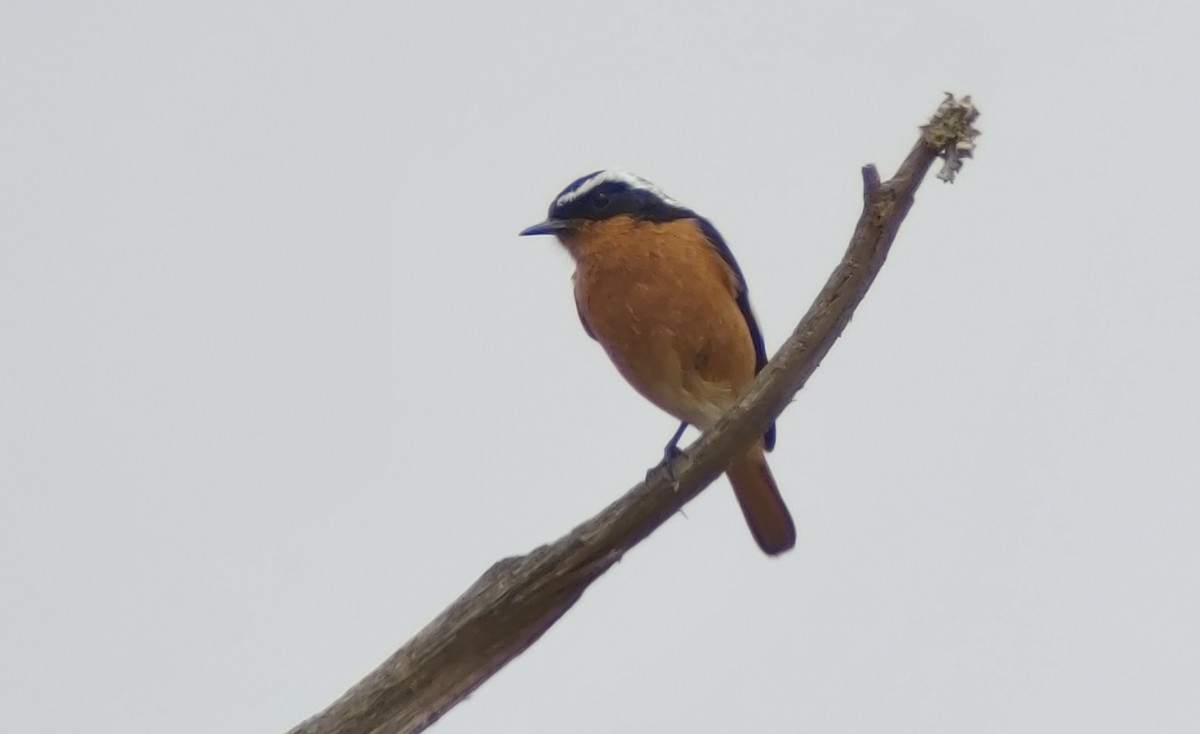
762,505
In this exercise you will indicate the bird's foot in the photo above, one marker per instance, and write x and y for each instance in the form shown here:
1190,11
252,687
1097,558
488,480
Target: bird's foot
671,452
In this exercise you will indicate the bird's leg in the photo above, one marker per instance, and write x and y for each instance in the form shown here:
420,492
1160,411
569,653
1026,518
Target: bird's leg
670,452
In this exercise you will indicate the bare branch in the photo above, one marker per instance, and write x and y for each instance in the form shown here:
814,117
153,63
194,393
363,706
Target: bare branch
519,598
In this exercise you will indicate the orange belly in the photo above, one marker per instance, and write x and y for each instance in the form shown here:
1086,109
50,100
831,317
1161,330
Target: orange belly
662,303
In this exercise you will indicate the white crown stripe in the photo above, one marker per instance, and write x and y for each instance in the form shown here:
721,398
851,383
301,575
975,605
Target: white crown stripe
615,175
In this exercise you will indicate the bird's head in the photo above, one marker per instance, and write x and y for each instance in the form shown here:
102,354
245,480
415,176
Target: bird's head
604,195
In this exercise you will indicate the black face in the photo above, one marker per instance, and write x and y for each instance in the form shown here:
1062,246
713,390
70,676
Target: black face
614,198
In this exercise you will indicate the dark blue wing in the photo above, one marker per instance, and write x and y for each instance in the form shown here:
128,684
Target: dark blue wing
743,302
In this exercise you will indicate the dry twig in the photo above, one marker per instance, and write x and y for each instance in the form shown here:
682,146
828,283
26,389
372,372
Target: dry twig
519,598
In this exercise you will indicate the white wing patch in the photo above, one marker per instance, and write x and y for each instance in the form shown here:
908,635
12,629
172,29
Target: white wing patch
616,175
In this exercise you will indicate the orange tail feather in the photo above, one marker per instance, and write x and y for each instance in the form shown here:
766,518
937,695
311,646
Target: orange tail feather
762,505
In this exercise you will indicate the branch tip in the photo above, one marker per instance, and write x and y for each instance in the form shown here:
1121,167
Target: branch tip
951,132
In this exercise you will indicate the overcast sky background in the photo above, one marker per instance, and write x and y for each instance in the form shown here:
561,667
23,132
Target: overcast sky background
278,380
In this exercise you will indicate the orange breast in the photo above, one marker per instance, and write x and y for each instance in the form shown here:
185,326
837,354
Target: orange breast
662,303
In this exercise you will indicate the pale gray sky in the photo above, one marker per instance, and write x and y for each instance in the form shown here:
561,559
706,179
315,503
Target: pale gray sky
278,379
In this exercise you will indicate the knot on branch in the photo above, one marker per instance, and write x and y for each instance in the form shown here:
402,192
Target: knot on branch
881,204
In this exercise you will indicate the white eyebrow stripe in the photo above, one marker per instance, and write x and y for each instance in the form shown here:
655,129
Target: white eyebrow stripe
616,175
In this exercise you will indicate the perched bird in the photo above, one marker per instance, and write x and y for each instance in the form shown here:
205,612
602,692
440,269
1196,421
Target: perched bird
658,288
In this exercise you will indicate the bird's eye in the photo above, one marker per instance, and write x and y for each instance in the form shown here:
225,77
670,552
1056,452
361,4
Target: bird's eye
601,200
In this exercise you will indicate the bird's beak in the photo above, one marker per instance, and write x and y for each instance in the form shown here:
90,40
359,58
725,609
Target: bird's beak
550,226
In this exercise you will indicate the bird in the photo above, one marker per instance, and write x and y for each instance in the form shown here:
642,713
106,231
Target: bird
658,288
